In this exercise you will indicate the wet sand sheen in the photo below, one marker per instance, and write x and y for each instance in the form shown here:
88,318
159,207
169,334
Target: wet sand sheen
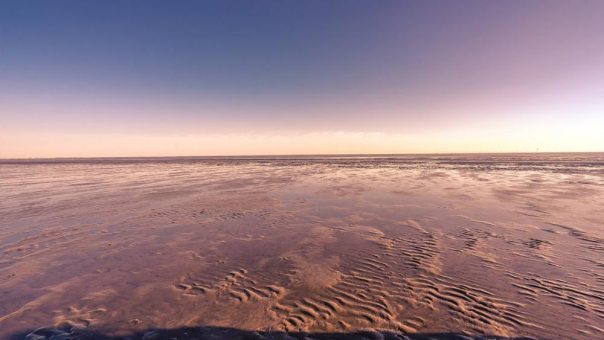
510,245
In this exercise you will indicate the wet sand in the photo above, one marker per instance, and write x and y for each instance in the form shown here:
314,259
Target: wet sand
510,245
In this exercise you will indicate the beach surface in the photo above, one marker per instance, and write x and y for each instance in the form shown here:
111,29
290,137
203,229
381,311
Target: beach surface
504,244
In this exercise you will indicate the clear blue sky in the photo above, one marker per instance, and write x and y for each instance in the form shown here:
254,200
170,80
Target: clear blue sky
105,78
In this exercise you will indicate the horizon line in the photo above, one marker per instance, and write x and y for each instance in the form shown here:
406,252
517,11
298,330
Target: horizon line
236,156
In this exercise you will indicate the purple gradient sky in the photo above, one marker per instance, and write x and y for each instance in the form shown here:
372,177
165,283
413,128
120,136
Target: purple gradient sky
123,78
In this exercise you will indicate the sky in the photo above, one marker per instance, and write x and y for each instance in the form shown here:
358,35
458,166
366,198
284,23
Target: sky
193,78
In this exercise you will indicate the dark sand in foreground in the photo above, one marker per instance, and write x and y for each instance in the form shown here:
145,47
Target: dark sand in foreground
511,245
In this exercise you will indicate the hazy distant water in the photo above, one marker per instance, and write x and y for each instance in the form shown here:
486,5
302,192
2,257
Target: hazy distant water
508,244
548,161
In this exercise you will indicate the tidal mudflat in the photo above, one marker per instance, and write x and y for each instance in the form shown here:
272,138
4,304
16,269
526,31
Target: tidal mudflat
511,245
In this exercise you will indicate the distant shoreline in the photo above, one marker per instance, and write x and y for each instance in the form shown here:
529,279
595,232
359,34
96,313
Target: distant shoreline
306,156
526,158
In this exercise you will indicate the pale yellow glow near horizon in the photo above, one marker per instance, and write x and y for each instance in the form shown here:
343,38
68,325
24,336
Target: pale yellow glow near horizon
571,121
524,128
328,142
